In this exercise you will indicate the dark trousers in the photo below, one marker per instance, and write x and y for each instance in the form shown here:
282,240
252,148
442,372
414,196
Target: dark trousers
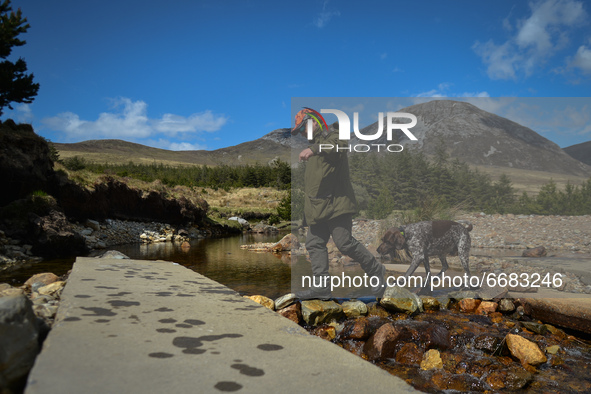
340,229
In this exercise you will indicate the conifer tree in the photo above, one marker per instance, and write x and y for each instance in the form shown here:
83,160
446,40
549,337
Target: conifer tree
16,86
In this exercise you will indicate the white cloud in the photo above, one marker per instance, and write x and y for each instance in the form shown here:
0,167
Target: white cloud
442,92
23,113
582,59
324,16
130,121
536,39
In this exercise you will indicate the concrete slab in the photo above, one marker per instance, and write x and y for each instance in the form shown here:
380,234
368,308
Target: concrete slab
130,326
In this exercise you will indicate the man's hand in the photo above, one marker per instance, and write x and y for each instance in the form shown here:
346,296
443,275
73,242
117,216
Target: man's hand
306,154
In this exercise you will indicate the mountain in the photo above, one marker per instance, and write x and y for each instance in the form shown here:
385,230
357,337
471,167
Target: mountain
481,138
261,150
490,142
581,152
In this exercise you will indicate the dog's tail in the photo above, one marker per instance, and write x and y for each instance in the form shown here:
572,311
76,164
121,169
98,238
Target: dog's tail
466,224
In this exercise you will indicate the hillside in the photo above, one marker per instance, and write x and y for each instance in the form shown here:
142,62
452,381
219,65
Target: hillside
581,152
117,151
481,138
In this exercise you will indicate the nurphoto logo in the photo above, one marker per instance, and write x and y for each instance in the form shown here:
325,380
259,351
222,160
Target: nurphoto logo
345,130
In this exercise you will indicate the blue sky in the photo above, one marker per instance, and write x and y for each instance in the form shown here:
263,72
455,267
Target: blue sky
209,74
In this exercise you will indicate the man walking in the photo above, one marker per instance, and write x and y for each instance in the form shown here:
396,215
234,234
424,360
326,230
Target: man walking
329,207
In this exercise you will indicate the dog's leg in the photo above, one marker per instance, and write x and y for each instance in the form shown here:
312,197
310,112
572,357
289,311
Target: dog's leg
427,265
444,265
416,261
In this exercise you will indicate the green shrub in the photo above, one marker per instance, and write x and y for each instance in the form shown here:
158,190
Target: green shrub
75,163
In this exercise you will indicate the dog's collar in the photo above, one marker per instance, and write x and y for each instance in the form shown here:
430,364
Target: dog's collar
401,229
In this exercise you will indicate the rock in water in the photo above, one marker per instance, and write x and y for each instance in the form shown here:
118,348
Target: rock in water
286,244
486,307
398,299
382,344
315,312
19,339
526,351
469,304
431,360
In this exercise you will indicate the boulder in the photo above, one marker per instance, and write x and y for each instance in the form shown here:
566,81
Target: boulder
316,312
399,299
40,280
19,339
263,228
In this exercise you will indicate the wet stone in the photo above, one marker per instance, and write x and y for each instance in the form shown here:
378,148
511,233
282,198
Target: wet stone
431,360
316,312
526,351
325,332
538,328
468,305
356,329
374,309
354,309
382,344
488,343
398,299
486,307
506,305
409,354
430,303
437,336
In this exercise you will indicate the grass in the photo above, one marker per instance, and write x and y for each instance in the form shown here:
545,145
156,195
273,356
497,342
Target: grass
530,181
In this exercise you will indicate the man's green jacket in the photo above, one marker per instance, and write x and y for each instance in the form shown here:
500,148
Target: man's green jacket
327,183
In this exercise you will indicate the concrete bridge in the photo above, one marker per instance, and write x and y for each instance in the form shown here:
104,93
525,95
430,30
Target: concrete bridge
132,326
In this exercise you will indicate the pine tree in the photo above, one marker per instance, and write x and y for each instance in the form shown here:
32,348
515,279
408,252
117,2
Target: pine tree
16,86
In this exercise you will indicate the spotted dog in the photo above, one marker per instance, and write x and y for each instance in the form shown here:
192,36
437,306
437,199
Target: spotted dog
431,238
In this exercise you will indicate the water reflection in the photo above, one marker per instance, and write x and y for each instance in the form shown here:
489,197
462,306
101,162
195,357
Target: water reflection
222,260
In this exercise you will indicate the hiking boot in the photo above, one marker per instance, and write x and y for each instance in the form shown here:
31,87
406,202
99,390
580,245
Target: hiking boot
378,291
313,293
